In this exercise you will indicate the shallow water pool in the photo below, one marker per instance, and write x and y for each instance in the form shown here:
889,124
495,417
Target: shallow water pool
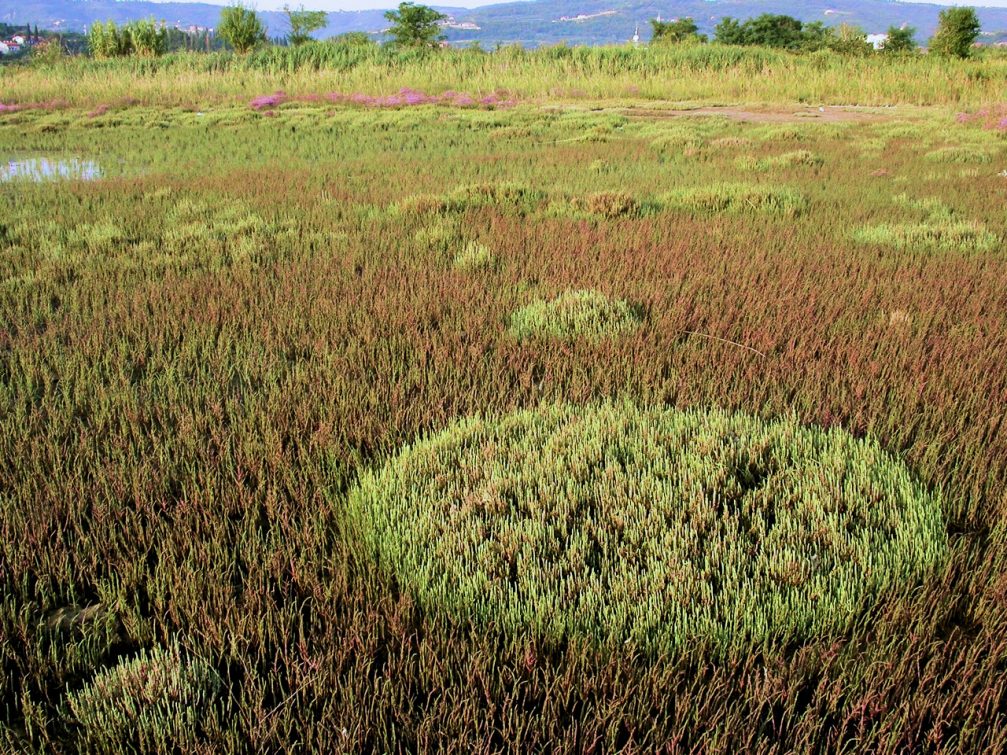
49,169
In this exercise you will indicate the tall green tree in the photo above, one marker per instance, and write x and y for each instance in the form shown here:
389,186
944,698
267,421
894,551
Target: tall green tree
241,28
675,32
771,30
768,30
415,25
303,22
900,40
729,32
817,36
957,31
848,39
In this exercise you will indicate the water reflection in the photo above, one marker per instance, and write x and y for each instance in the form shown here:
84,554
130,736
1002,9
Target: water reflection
50,169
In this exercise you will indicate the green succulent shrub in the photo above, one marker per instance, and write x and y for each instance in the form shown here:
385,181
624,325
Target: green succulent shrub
930,207
944,234
475,256
734,197
510,198
153,701
225,231
800,158
438,236
952,155
574,314
609,204
651,525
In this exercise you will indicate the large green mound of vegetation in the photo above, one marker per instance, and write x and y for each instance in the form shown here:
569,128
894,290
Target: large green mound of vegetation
654,526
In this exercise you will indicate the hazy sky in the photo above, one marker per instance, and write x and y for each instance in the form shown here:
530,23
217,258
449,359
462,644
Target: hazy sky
334,5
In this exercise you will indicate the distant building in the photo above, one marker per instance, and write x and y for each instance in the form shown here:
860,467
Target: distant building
17,43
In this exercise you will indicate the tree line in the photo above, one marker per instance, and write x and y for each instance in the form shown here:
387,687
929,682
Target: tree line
957,31
418,26
241,28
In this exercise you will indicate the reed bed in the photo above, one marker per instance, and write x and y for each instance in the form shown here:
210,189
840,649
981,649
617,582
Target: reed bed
708,73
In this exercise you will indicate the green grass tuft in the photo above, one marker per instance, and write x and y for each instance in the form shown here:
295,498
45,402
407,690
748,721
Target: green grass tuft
474,257
800,158
946,235
155,700
509,198
954,155
734,197
575,314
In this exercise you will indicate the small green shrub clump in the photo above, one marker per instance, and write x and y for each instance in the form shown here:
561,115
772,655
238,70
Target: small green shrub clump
507,197
800,158
953,155
575,314
931,207
733,197
475,256
947,235
155,701
439,236
730,142
609,204
656,526
225,231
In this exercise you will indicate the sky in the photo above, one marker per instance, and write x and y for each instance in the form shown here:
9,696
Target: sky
336,5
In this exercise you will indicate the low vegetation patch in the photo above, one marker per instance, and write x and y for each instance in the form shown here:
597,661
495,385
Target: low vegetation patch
439,236
930,207
507,197
475,256
948,235
734,197
952,155
575,314
223,230
609,204
154,701
800,158
655,526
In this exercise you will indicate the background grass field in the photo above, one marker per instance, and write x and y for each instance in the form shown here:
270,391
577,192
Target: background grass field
201,352
707,73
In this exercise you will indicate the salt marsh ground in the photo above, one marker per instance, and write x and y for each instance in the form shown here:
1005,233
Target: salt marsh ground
216,345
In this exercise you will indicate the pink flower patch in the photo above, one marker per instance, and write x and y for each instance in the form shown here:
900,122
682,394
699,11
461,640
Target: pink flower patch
268,100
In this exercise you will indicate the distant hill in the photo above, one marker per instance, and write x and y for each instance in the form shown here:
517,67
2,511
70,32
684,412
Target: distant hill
75,15
529,23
